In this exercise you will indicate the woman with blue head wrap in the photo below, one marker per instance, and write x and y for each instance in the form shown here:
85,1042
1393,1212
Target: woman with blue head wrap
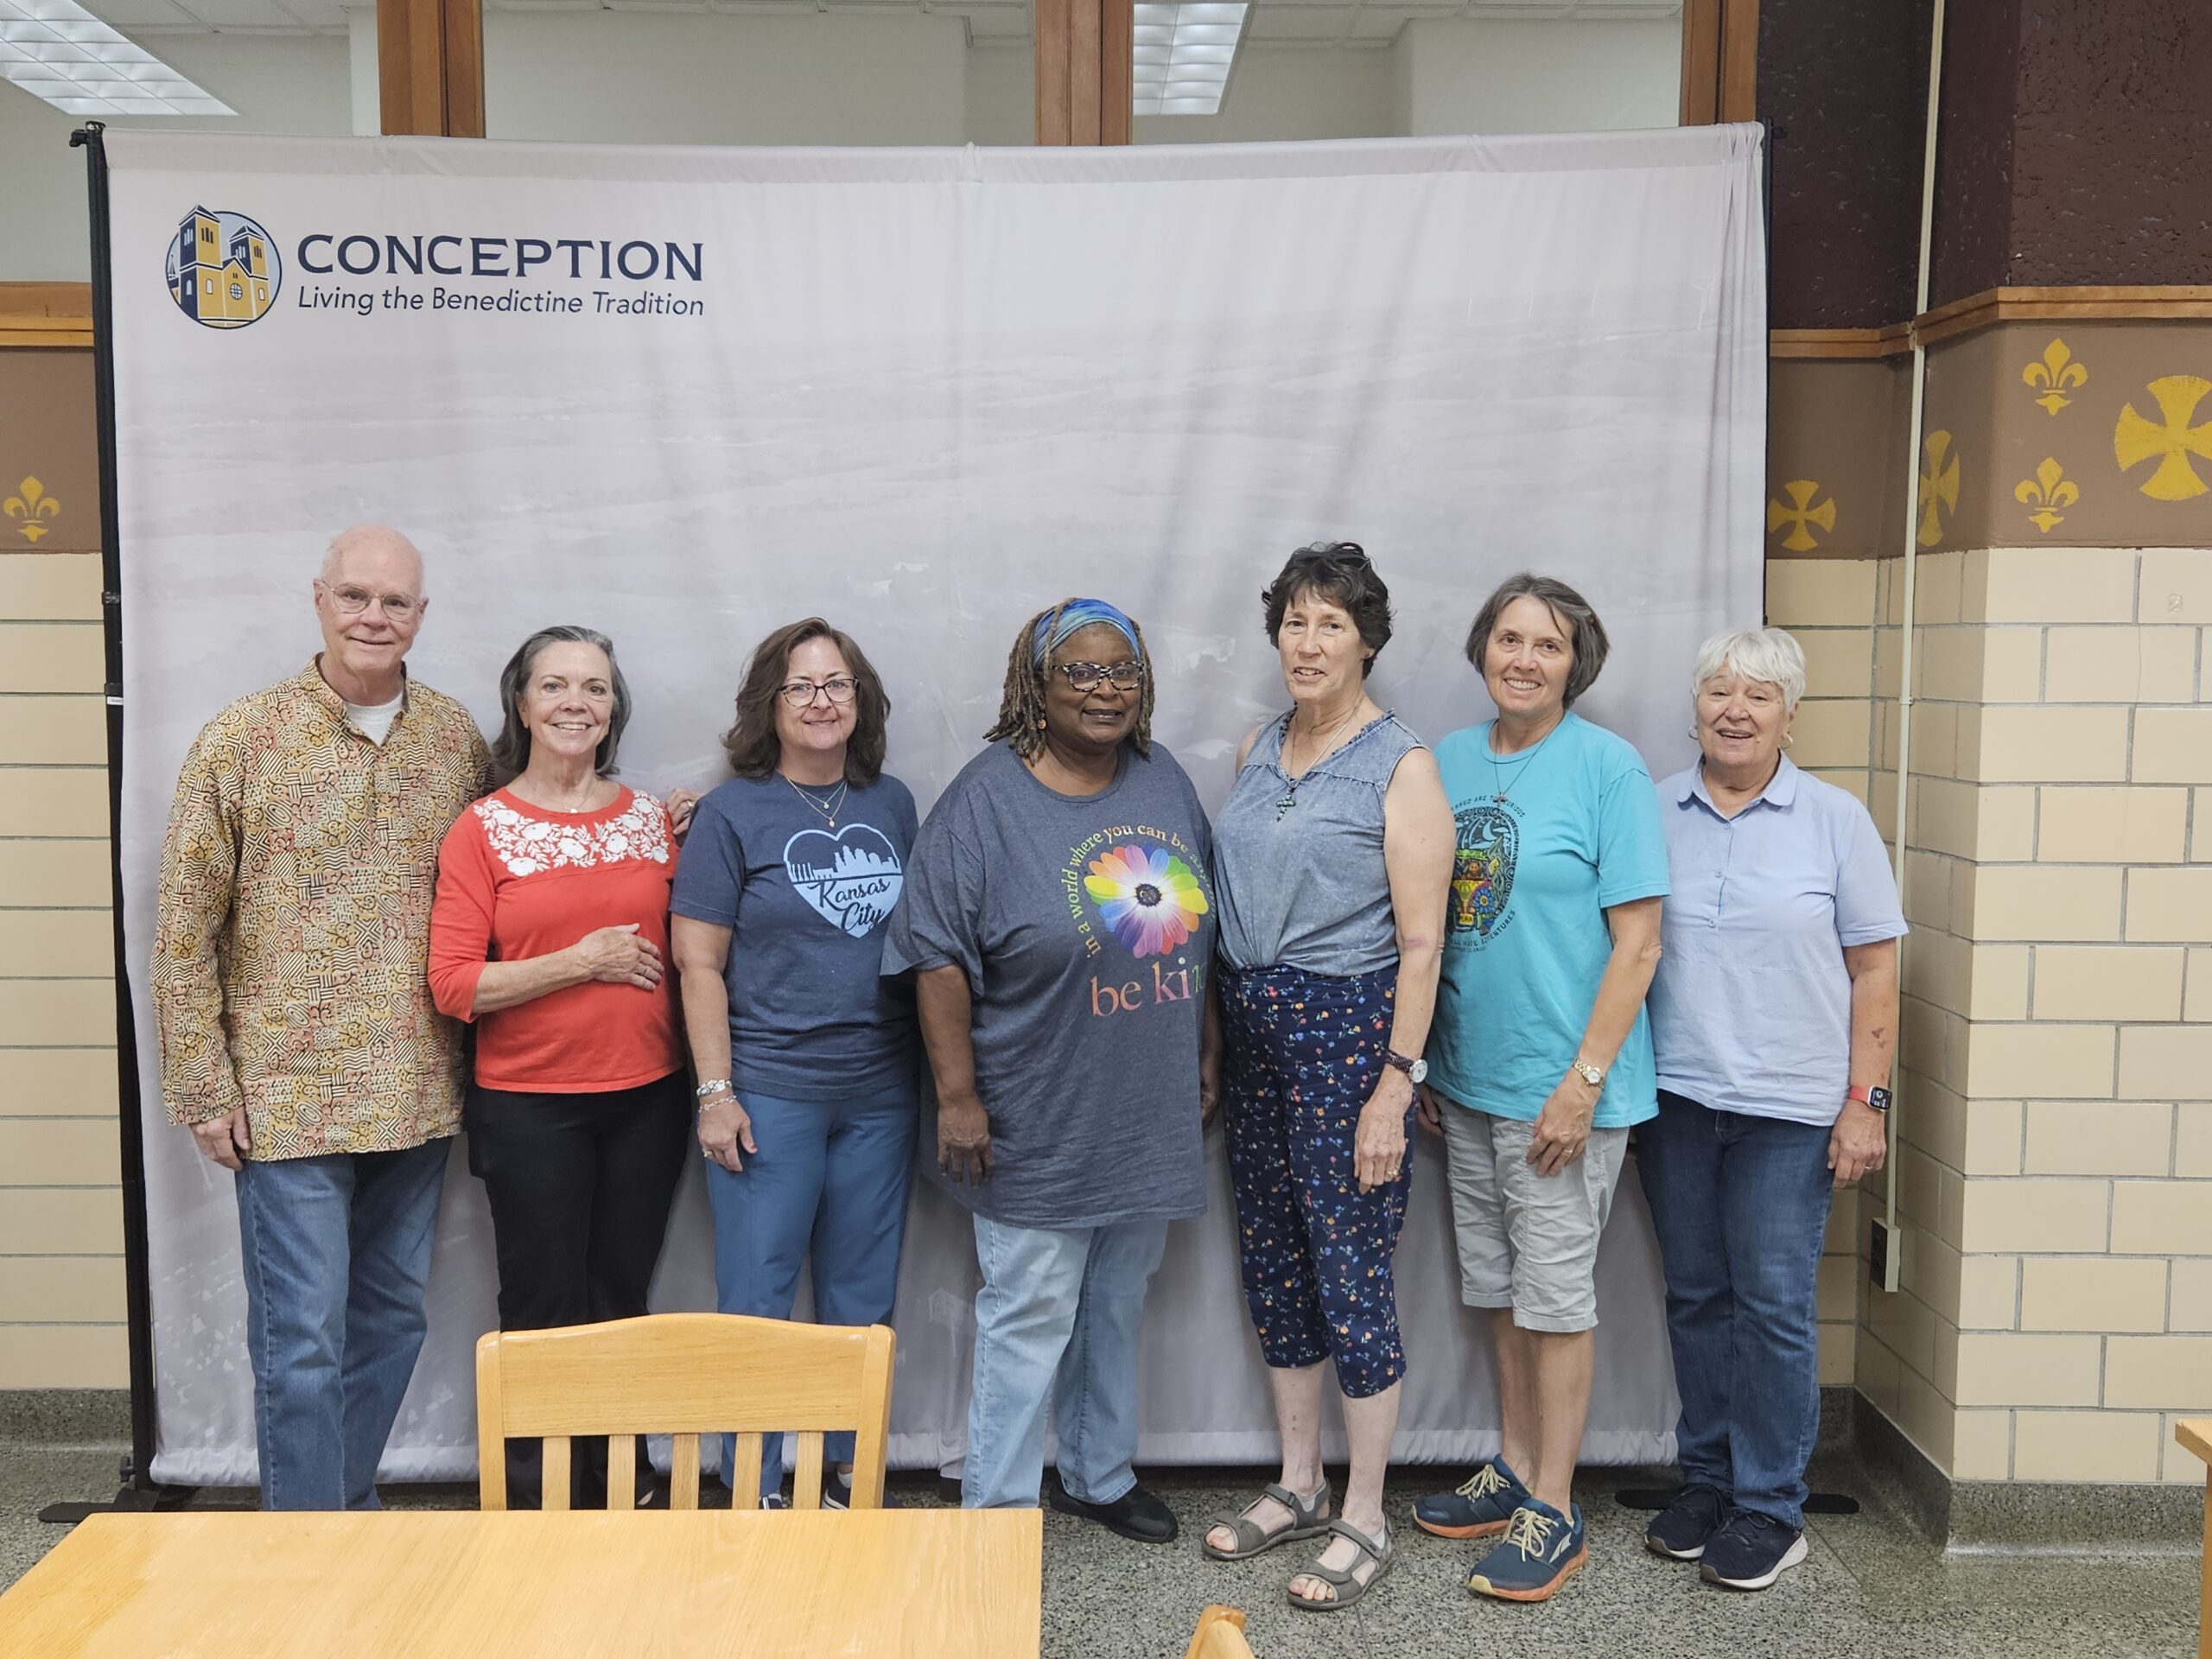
1057,920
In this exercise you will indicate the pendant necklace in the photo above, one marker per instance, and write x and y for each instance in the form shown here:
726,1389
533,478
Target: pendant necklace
1290,784
1505,791
828,805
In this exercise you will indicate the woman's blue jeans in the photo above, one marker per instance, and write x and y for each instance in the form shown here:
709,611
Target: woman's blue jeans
1740,1205
829,1182
1056,1325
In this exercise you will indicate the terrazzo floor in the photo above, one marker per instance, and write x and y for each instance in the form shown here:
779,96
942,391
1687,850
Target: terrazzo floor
1872,1588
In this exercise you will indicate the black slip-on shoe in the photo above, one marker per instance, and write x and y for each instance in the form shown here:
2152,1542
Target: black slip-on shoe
1135,1514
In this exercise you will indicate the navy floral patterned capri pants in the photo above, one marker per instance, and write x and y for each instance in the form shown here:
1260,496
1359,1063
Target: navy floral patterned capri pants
1303,1052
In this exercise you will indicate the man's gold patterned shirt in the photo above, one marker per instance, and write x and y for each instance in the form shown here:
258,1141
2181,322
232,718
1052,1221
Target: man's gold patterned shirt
294,922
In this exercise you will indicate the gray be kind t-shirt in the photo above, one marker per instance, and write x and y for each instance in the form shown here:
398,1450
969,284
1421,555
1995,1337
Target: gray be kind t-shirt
1085,925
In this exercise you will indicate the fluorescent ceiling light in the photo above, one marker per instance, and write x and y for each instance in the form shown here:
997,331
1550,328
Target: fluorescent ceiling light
1183,55
60,52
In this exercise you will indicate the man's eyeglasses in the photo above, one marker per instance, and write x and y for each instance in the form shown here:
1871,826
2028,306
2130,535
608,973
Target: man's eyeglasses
1085,677
351,601
800,694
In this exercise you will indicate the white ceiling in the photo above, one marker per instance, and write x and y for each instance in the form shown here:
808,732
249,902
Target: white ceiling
1275,23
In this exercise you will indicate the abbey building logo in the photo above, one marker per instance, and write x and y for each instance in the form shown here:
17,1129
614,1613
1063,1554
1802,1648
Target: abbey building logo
224,271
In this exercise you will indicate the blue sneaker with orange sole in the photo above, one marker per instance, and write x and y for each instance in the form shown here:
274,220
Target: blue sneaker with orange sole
1541,1551
1478,1508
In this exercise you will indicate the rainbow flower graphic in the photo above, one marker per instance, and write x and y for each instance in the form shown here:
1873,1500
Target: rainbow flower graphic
1147,896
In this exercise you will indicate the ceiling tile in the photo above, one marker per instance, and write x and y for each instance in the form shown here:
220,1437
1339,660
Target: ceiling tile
1281,23
142,15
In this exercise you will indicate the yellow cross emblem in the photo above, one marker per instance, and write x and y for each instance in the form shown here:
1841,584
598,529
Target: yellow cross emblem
1939,486
1801,515
2135,440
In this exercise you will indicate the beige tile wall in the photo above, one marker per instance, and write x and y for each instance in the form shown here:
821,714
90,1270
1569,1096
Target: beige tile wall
61,1299
2055,1171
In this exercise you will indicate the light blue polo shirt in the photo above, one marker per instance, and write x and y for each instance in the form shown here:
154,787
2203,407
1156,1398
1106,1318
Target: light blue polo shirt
1548,839
1750,1011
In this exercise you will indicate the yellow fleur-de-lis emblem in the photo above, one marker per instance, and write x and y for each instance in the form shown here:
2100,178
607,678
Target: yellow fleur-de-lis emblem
2057,372
2135,439
2049,490
1801,515
1939,486
32,505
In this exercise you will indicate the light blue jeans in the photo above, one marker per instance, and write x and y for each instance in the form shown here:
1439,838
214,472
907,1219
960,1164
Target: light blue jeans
336,1252
1056,1325
829,1182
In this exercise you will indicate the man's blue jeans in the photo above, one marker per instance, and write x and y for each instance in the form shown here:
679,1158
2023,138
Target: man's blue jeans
336,1251
1740,1205
1055,1323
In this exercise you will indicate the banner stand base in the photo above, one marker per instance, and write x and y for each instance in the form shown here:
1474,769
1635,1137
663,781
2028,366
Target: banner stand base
1658,1497
130,1498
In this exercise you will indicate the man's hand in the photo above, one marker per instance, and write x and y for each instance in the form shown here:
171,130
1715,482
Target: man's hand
226,1139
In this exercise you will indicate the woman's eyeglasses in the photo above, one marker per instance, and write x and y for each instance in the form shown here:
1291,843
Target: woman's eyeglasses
1085,677
801,694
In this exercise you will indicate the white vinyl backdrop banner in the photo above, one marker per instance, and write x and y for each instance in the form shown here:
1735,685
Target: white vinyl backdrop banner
685,395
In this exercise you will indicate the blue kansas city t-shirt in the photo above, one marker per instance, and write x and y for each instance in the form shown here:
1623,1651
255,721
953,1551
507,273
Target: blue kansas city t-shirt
1525,940
811,1017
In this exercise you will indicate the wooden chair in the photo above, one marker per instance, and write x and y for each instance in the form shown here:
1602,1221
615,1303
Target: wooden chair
2195,1436
684,1375
1220,1635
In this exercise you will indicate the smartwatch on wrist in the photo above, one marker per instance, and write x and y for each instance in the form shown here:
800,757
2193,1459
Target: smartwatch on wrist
1869,1095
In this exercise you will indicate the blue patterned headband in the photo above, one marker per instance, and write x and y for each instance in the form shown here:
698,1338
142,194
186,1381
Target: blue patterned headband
1074,617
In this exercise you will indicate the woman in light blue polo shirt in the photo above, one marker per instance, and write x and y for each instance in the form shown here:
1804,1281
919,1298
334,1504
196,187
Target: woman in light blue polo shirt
1774,1015
1539,1058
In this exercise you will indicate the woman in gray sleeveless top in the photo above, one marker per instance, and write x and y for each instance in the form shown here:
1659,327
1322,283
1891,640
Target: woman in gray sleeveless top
1332,860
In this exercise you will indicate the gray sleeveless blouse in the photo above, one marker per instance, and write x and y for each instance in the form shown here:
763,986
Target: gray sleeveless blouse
1302,885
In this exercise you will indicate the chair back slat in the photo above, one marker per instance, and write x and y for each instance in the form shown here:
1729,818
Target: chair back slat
685,1374
554,1463
746,1453
683,1473
806,1474
621,1471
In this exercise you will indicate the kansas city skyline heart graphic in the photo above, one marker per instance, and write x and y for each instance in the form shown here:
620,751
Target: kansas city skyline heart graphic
851,878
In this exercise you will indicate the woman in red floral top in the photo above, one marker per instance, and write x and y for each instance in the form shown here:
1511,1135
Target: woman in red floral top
549,932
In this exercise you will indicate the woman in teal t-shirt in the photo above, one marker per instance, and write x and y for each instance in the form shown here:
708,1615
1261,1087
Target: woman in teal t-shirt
1539,1058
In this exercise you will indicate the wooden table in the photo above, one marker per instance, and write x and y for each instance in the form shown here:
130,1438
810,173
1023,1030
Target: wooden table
462,1585
2196,1434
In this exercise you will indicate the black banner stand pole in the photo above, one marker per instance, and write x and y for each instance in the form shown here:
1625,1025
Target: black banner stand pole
138,1491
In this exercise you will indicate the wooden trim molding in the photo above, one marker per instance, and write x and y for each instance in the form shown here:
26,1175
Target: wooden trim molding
2083,304
1991,306
1840,342
46,313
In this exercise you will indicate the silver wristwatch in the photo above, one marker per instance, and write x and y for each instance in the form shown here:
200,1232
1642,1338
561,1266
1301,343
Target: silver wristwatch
1416,1070
714,1086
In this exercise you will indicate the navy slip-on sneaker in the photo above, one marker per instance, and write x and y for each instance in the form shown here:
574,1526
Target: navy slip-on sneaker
1752,1551
1685,1527
1541,1551
1478,1507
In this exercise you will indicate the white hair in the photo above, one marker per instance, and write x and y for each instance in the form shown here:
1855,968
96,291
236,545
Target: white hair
1768,655
362,536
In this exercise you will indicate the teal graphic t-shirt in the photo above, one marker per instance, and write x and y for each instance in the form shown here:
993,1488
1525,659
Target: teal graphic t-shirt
1525,940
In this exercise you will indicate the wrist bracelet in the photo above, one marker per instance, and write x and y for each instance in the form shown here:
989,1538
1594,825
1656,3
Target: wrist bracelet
714,1086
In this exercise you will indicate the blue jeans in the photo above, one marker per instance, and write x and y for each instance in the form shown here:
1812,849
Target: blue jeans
831,1177
336,1251
1055,1323
1740,1205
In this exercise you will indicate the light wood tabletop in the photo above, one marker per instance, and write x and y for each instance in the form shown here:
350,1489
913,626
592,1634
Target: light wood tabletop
477,1586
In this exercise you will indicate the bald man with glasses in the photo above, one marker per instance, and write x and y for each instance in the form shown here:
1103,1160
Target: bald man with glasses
298,1040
